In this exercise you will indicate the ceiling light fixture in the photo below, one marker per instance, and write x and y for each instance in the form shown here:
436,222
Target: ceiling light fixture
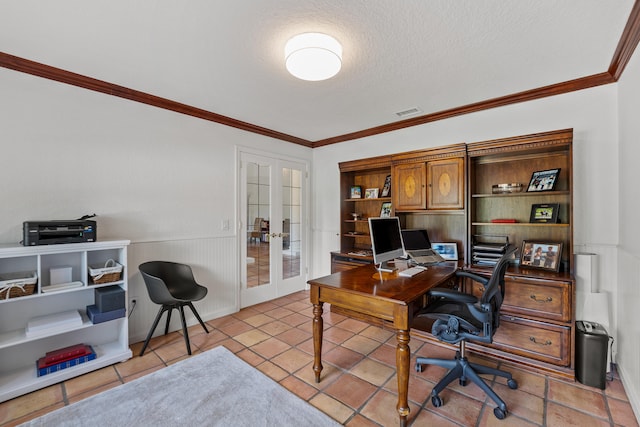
313,56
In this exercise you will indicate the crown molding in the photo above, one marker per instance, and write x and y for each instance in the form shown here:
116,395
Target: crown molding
624,50
63,76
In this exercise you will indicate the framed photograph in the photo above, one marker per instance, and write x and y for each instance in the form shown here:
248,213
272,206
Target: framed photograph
386,190
544,255
544,180
356,192
385,211
448,251
547,212
371,193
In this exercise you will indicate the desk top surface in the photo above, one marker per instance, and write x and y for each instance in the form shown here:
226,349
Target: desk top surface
367,281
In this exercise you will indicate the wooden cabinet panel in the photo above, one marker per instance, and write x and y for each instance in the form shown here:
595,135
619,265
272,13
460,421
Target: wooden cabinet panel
445,188
342,263
409,183
544,299
537,340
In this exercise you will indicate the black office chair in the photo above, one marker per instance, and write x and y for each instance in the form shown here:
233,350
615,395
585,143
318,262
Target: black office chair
171,285
461,317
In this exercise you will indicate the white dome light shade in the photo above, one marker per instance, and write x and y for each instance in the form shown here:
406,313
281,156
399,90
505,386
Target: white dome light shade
313,56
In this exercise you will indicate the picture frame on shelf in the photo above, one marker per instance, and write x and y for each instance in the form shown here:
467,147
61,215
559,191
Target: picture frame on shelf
385,210
542,255
356,192
386,189
544,180
544,213
371,193
448,251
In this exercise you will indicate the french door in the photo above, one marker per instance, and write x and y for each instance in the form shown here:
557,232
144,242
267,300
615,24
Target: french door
273,236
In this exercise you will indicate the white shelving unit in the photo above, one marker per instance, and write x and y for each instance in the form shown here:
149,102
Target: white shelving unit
19,353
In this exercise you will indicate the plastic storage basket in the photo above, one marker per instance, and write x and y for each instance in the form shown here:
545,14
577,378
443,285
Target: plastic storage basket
111,271
14,285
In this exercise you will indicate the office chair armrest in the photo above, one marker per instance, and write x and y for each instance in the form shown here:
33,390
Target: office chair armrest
451,295
473,276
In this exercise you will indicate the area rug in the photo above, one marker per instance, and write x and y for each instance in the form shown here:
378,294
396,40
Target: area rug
214,388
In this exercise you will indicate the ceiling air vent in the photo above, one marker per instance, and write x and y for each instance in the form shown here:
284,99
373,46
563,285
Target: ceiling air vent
409,112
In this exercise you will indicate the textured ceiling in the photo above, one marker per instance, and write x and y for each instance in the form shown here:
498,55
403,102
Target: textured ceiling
226,57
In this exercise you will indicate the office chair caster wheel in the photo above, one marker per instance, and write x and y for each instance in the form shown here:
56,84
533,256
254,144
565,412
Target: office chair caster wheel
436,401
499,413
462,382
512,384
419,367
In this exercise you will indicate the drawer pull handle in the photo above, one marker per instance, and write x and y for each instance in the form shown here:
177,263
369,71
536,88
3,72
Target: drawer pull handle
535,298
533,340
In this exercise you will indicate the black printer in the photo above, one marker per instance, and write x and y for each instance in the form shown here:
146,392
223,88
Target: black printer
57,232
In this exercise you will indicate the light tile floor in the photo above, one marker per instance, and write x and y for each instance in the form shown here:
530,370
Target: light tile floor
358,386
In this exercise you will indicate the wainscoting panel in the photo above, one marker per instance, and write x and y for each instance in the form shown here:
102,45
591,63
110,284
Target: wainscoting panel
214,263
320,264
629,341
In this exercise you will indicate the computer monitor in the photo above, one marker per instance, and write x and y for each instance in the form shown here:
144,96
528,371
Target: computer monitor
386,241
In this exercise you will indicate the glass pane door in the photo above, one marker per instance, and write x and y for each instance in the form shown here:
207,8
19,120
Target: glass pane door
273,213
258,214
291,222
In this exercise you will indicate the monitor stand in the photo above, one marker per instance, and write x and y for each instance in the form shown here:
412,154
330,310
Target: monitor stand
385,267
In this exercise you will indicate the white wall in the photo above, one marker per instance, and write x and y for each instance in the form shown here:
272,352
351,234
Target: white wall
165,181
628,295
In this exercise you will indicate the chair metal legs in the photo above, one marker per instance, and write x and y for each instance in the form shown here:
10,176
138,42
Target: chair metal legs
460,368
169,309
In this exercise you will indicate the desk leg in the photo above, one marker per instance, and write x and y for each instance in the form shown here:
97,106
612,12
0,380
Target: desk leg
403,356
318,327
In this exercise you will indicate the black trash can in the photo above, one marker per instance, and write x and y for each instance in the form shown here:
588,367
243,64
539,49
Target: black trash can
591,353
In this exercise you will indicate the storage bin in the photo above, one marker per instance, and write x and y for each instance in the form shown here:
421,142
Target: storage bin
20,284
111,271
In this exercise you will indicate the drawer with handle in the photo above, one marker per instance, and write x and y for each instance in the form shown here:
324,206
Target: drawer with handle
530,297
537,340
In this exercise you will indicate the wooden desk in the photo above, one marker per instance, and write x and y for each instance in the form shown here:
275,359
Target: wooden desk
386,296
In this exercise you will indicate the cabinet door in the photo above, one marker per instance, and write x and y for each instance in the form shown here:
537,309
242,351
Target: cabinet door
445,189
410,189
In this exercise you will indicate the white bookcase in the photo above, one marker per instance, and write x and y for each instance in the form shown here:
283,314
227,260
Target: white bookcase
19,353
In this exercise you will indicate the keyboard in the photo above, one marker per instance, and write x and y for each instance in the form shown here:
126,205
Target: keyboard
412,271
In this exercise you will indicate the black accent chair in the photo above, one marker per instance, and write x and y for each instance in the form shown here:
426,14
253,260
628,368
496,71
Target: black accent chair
171,285
461,317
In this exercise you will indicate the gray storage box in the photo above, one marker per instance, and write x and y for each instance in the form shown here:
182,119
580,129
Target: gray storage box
109,298
591,353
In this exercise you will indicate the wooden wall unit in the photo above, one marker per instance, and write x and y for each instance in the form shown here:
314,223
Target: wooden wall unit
448,190
538,314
